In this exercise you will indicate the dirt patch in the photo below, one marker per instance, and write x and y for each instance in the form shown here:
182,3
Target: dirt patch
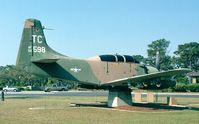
139,107
151,107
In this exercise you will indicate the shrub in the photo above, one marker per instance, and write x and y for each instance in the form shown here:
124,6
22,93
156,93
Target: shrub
179,88
193,87
186,88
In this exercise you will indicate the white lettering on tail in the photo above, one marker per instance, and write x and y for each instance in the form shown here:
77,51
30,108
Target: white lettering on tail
37,38
37,48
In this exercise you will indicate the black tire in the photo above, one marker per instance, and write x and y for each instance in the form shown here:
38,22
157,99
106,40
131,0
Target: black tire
4,90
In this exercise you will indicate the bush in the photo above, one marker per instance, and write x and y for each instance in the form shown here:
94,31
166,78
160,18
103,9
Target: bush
180,88
186,88
193,87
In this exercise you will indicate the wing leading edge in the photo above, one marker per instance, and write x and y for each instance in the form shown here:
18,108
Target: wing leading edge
139,78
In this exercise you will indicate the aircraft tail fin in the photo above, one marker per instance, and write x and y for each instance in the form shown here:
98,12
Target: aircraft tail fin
33,46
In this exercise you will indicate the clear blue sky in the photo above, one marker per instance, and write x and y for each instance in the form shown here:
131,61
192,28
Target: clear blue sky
85,28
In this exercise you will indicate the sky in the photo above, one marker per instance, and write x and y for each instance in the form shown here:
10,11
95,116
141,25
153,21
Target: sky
86,28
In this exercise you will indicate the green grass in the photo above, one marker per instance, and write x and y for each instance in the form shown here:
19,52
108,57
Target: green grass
57,110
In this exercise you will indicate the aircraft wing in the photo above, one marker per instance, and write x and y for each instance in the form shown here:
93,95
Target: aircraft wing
139,78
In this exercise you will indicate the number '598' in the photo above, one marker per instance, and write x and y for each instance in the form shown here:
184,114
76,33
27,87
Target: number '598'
38,49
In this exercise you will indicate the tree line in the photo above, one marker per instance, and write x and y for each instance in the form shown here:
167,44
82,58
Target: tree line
11,75
186,56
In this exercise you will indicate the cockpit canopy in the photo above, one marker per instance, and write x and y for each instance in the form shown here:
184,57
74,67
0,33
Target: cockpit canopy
118,58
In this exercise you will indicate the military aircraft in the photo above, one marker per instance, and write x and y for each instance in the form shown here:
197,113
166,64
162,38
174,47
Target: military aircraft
113,72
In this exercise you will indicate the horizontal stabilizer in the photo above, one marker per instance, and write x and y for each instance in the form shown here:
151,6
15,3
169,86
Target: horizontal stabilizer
45,60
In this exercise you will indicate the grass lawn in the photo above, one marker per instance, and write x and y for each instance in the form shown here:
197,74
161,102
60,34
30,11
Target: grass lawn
57,110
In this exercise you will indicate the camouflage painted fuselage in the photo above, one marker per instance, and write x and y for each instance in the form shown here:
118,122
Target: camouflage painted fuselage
90,71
